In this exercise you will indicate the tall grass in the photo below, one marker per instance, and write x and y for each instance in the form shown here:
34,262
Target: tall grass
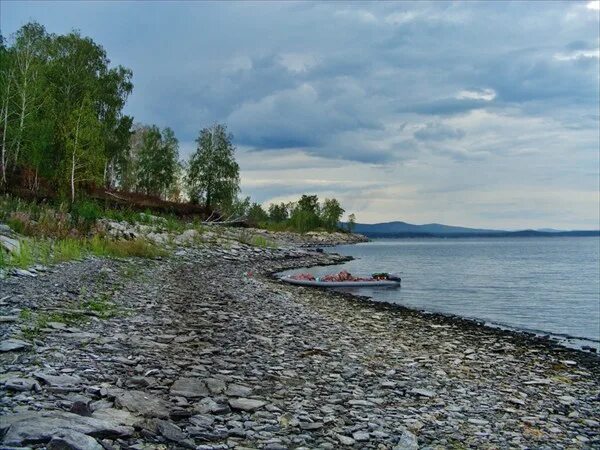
68,249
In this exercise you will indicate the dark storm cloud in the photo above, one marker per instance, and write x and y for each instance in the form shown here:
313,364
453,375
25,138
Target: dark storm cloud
388,84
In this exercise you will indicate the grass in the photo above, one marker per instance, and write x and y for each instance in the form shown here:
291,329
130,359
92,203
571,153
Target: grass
47,252
68,249
101,305
34,323
262,242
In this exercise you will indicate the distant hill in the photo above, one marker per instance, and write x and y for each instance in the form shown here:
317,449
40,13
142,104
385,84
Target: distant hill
404,229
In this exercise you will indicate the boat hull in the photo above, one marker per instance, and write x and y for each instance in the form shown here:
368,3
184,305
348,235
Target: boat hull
338,284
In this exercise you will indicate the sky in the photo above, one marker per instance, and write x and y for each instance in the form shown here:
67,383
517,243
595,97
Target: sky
464,113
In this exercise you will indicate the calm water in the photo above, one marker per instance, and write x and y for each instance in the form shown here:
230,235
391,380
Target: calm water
548,285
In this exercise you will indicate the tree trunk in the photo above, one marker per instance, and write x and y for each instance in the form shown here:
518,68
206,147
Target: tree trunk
4,156
73,157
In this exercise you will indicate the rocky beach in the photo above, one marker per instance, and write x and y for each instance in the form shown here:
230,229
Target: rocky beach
206,349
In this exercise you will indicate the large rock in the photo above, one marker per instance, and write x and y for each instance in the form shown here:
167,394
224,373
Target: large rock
189,388
73,440
408,441
142,403
12,345
40,427
9,244
58,380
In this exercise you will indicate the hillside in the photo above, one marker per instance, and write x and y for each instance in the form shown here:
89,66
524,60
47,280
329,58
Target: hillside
404,229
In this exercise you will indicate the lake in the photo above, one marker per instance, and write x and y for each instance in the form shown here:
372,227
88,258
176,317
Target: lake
543,285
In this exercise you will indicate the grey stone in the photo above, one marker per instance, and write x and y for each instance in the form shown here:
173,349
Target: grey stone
40,427
12,345
408,441
58,380
361,436
9,245
119,416
246,404
238,390
189,388
215,386
423,392
22,384
345,440
142,403
73,440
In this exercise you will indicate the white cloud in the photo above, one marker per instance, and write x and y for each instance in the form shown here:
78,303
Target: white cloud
357,14
593,5
477,94
297,62
401,17
579,54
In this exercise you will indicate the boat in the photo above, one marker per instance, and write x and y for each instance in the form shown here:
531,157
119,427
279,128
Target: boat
343,279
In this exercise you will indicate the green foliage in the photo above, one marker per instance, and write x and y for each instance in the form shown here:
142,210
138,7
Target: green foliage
213,173
61,110
86,212
331,213
262,242
101,305
138,248
278,212
24,257
351,222
156,161
68,249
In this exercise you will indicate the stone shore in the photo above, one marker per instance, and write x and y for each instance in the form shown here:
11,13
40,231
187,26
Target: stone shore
207,350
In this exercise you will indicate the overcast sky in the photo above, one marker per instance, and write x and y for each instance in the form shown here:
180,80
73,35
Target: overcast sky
475,114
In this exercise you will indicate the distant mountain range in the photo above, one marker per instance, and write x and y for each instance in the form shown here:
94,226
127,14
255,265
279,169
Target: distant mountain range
403,229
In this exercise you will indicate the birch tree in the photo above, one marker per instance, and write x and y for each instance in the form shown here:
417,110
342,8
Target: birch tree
83,142
213,173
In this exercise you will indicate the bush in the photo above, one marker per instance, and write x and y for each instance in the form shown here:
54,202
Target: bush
86,212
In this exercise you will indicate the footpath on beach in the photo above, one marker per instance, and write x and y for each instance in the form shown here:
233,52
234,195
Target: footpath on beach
205,349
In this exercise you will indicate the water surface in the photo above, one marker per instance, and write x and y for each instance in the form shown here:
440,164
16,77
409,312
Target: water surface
546,285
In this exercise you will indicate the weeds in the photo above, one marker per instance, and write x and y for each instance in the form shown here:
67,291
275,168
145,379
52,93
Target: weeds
68,249
262,242
102,306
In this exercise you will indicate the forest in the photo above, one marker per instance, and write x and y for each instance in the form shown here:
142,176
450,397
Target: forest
63,131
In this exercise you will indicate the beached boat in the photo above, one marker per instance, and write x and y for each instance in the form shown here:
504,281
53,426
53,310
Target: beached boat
343,279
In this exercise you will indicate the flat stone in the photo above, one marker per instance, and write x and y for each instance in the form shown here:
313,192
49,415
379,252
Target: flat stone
478,421
120,416
408,441
246,404
58,380
215,386
238,390
21,384
40,427
170,431
361,436
8,319
423,392
311,425
189,388
142,403
12,345
73,440
345,440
